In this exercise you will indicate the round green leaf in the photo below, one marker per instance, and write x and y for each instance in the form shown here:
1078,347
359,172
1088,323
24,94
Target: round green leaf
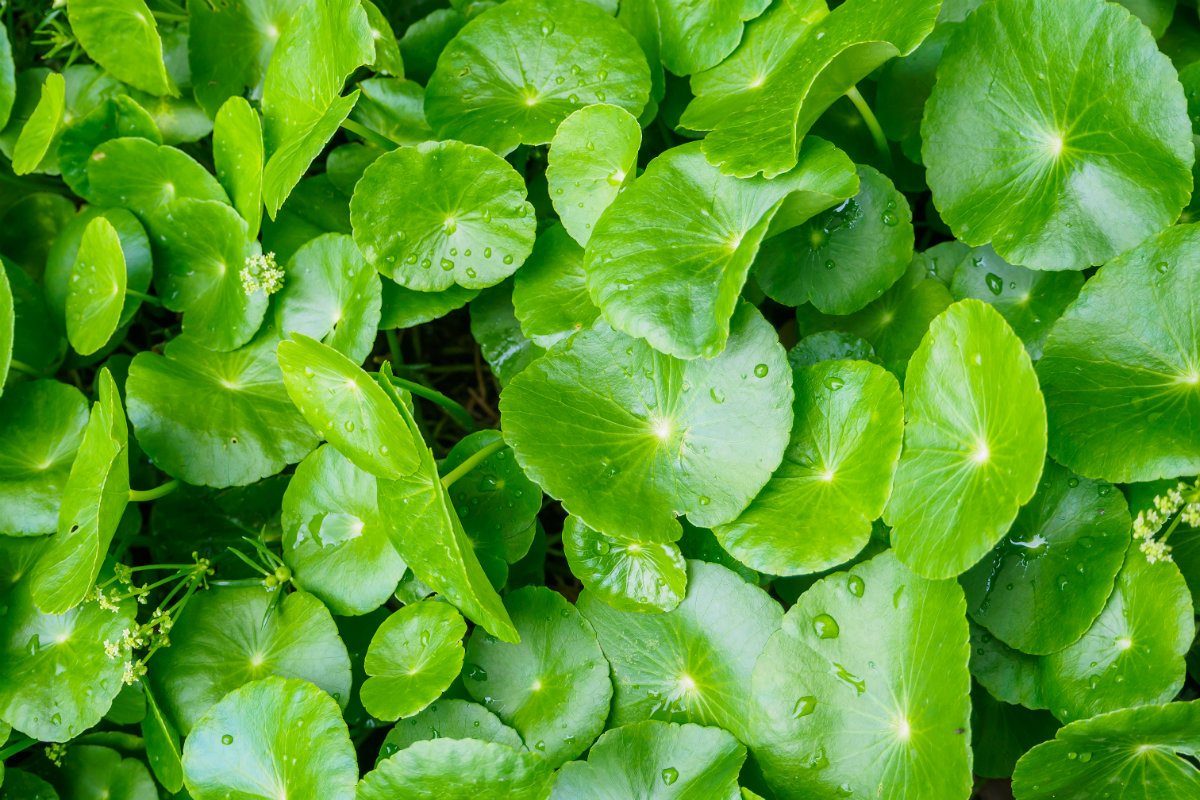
272,738
691,664
1029,147
404,308
8,88
227,637
238,158
553,686
695,38
229,46
517,70
41,129
96,293
348,407
1121,369
440,214
628,575
974,442
865,684
458,769
414,656
22,785
655,761
93,501
830,346
395,109
90,772
425,39
122,37
1050,576
674,279
333,537
387,51
843,258
817,509
216,419
111,119
550,294
1136,749
584,180
41,427
331,293
1008,675
449,719
145,178
666,436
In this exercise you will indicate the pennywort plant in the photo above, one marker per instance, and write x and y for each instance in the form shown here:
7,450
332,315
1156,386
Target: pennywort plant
599,399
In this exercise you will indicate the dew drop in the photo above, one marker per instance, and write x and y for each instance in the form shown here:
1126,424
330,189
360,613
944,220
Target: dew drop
761,370
825,626
804,706
833,382
670,775
856,585
994,283
227,739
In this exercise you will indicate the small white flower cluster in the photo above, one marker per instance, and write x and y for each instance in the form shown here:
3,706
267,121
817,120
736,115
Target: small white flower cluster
1183,500
261,272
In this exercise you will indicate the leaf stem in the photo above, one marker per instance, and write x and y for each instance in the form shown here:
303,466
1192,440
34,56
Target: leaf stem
145,495
453,409
371,136
145,298
868,116
472,461
16,747
21,366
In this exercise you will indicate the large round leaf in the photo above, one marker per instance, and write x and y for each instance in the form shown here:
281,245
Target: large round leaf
229,46
457,769
550,295
96,293
1135,749
816,511
440,214
603,415
269,740
674,279
1062,150
94,499
144,177
1050,576
517,70
655,761
216,419
553,686
695,38
122,37
89,771
974,441
414,656
331,293
1121,369
628,575
692,664
113,118
584,180
843,258
449,719
867,686
333,537
230,636
41,427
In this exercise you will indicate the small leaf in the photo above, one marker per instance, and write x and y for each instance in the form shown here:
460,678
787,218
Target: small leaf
41,128
122,37
238,157
414,656
628,575
96,293
435,770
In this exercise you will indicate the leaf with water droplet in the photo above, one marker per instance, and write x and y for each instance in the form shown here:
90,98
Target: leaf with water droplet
629,576
413,657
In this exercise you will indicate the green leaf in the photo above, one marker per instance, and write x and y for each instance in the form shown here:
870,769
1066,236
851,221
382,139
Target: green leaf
56,680
516,71
1121,369
333,537
89,771
414,656
905,84
628,575
405,308
425,39
866,682
1042,587
42,424
1007,674
22,785
302,102
41,128
584,180
603,415
696,38
216,419
8,78
113,118
93,501
348,407
974,442
38,340
332,294
495,327
553,687
8,325
122,37
271,738
674,279
691,664
655,761
830,346
440,214
836,475
229,46
238,157
449,719
314,207
457,769
162,745
387,51
96,293
1034,164
393,108
145,178
843,258
763,131
228,637
1001,733
1136,749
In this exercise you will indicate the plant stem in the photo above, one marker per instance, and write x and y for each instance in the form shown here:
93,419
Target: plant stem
472,461
15,748
371,136
145,298
145,495
453,409
393,342
881,142
21,366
